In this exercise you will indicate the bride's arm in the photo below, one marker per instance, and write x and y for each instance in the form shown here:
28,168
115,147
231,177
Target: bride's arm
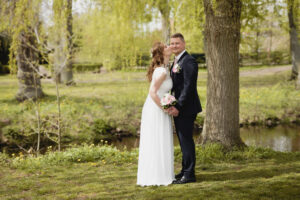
155,87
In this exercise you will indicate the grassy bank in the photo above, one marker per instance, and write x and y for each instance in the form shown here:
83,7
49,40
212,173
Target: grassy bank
103,172
112,102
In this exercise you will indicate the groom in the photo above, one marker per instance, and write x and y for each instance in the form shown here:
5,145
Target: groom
184,73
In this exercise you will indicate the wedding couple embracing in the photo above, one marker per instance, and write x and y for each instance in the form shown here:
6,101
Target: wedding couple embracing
156,150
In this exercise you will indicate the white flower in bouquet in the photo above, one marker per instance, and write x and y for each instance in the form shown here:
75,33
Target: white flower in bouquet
167,101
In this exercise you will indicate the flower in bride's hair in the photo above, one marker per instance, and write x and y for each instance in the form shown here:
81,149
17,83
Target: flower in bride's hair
167,101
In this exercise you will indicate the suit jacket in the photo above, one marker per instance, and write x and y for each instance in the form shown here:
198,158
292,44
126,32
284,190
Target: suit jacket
185,86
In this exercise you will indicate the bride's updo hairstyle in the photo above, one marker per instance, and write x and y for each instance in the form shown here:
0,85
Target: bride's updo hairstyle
157,54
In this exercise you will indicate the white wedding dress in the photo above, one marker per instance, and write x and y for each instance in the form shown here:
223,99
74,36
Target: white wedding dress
156,151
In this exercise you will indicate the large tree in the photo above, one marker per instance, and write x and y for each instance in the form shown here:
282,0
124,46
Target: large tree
222,39
293,6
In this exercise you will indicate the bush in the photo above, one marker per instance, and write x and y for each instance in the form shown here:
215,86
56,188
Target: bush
103,154
101,130
4,159
4,69
26,137
200,120
200,57
279,58
87,67
262,58
144,60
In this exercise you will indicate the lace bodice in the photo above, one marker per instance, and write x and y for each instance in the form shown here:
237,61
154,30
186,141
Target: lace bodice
167,85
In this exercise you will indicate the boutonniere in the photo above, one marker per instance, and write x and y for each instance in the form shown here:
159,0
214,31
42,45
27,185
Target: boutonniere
176,68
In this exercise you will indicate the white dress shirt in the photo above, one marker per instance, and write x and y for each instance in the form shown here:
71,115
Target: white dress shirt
178,57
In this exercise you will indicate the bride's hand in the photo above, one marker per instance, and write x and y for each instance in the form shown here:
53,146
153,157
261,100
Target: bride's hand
166,110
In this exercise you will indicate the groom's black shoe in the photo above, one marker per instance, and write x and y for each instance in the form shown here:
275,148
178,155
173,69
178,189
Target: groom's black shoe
179,176
184,180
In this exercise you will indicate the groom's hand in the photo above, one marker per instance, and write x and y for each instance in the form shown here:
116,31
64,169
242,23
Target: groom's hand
174,112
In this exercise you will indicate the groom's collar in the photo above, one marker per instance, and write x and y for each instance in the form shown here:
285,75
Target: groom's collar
179,56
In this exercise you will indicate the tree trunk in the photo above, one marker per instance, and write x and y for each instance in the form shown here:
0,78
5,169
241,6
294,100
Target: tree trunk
294,44
164,9
270,43
28,76
67,72
257,46
62,56
222,38
166,29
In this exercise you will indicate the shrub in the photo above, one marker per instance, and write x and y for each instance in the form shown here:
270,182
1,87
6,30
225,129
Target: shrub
4,69
4,159
87,67
105,154
102,130
87,153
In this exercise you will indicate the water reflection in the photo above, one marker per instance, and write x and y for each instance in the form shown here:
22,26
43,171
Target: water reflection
280,138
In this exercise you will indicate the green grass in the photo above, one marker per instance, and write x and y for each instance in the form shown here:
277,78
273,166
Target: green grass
118,97
249,68
249,174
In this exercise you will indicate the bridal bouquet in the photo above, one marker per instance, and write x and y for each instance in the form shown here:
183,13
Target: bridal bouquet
167,101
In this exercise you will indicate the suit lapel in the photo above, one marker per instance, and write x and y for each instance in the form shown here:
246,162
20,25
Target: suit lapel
171,72
184,54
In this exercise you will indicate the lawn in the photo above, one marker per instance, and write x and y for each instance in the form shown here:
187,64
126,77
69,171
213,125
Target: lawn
76,174
103,172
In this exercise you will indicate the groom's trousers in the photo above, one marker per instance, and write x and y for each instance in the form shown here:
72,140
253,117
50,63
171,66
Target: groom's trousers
184,128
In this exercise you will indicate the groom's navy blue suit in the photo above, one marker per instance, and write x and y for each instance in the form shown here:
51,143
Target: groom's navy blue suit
185,90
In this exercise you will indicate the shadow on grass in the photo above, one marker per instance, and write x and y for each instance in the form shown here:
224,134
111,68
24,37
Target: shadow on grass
248,173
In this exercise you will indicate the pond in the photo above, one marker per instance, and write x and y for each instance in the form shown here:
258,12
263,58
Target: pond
280,138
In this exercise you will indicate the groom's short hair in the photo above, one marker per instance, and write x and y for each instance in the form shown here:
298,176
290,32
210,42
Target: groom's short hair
178,35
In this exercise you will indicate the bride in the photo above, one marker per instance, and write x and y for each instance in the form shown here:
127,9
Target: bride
156,158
